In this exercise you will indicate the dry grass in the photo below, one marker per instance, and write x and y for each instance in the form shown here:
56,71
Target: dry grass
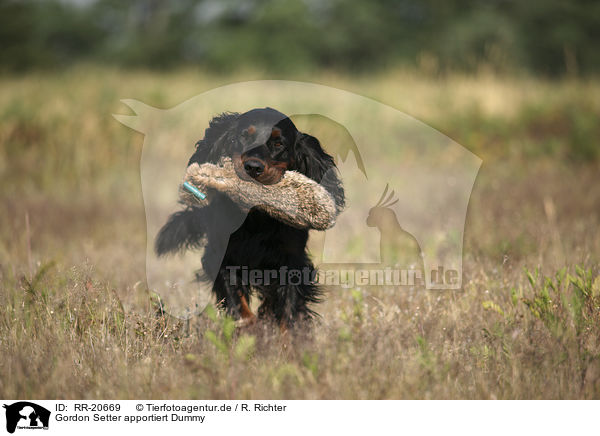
76,322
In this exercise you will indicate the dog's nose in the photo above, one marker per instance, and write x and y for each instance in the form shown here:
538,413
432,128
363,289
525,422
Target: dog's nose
254,168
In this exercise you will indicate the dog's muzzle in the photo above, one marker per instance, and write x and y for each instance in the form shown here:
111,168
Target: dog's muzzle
254,167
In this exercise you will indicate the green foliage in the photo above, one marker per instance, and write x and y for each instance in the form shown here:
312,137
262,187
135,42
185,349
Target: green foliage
357,297
311,362
291,35
222,336
569,307
426,357
31,287
490,305
245,347
566,129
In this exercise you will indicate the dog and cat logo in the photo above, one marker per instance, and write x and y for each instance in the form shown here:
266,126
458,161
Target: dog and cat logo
26,415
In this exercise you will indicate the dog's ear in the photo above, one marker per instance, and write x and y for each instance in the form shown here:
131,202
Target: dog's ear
310,159
217,139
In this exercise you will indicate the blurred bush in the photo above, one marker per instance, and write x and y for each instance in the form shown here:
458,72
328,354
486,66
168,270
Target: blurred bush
552,37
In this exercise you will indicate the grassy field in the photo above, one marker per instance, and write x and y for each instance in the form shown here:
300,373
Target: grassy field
77,322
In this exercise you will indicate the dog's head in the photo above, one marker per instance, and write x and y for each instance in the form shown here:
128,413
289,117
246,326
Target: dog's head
266,139
264,143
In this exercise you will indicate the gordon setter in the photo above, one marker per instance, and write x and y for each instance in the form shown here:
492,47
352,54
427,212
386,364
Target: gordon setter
267,144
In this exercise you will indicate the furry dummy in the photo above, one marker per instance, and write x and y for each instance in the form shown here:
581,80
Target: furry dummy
295,200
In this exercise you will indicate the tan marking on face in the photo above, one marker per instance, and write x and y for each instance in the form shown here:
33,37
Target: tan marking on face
272,173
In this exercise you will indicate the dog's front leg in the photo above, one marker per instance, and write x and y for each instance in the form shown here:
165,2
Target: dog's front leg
227,293
233,295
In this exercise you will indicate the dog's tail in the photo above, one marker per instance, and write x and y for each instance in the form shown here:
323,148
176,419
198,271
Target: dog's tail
183,230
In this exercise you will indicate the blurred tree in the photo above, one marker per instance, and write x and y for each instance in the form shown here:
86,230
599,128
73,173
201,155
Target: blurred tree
552,37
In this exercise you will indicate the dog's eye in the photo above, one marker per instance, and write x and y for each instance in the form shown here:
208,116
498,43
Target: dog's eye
277,144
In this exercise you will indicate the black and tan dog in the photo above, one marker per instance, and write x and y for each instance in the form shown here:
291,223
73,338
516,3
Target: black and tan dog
268,184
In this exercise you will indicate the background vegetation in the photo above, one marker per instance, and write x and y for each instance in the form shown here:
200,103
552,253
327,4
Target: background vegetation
74,311
553,37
